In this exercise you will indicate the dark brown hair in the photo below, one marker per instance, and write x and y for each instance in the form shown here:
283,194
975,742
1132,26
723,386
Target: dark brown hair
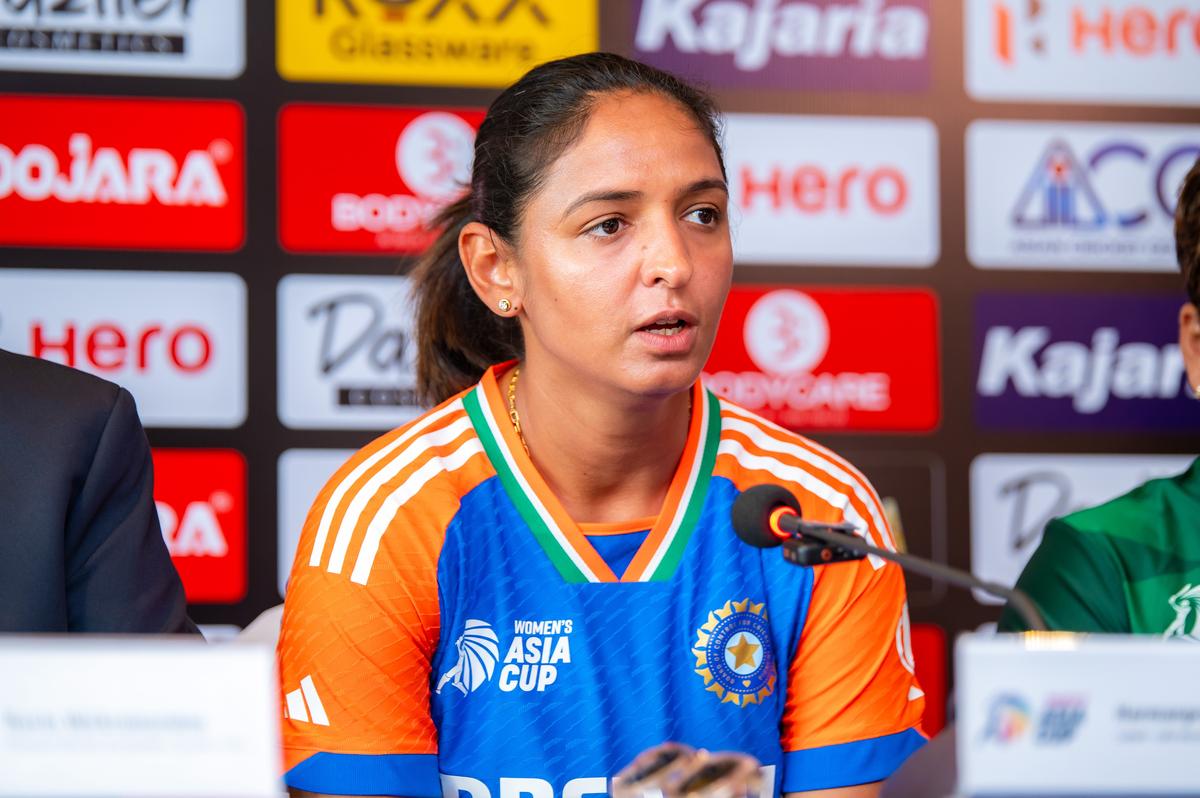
1187,232
526,129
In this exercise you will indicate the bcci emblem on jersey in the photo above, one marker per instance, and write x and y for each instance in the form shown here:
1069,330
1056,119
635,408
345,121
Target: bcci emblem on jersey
734,655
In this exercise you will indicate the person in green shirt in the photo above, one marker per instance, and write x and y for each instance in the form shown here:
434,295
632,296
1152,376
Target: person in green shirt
1132,565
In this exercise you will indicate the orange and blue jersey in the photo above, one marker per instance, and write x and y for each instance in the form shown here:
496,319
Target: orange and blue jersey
450,630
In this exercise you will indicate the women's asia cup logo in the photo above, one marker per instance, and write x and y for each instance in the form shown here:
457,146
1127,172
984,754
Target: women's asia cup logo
734,654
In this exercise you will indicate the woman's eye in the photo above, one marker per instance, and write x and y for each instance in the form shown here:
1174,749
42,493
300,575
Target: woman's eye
609,227
705,216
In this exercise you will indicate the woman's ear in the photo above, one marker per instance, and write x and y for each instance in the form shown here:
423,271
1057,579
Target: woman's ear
490,268
1189,344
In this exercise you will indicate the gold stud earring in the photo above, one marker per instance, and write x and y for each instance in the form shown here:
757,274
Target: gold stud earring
504,305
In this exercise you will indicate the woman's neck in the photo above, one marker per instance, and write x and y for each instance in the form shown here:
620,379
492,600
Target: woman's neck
607,458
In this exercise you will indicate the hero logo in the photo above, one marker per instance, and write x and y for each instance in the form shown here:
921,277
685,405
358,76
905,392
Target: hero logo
107,347
1088,375
433,157
102,176
786,334
1133,30
200,495
754,32
811,189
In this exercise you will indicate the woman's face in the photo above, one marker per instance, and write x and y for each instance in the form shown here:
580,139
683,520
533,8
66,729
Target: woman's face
623,259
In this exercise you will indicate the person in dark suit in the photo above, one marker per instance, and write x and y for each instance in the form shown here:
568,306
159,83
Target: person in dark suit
80,545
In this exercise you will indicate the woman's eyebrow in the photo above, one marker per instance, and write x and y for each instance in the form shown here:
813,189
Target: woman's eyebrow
616,195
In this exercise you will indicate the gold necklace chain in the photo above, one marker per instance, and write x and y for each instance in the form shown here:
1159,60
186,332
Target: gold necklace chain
512,407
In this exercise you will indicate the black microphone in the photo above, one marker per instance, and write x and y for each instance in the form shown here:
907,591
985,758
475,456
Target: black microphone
768,515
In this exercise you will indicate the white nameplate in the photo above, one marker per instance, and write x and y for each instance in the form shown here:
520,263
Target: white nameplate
162,717
1077,715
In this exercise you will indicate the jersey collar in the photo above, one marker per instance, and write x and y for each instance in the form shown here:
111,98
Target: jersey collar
566,546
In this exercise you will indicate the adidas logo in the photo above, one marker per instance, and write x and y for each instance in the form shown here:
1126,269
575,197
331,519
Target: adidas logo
304,705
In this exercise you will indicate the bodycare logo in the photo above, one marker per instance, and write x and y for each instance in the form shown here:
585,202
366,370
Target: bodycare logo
1111,362
201,499
381,193
176,341
124,37
141,174
438,42
806,360
870,45
1106,50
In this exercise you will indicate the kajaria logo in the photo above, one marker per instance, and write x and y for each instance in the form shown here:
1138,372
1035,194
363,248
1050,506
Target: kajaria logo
875,45
487,43
806,359
384,175
179,38
1136,52
842,190
129,174
176,341
201,499
1112,362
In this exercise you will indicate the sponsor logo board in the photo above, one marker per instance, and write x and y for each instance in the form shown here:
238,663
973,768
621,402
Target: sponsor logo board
122,173
812,359
201,499
1075,361
381,193
1102,51
1075,195
347,353
840,45
489,43
176,38
302,474
176,341
1014,496
852,191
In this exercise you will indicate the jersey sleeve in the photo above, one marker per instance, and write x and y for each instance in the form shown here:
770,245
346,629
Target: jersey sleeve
1074,579
360,629
853,705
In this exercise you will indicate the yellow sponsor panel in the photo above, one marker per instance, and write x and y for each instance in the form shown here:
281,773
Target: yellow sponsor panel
430,42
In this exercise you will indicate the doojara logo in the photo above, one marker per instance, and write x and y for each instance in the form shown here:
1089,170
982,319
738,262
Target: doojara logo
196,530
755,32
1060,191
433,157
531,662
479,12
356,338
53,25
103,175
1025,28
1026,361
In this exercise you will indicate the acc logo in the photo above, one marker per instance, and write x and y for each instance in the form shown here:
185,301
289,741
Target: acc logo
478,651
1008,719
734,655
786,333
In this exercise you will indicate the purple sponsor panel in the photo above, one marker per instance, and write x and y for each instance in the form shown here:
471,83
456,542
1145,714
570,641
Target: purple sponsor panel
1078,361
830,45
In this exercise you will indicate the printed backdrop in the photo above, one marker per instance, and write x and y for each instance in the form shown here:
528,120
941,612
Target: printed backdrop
952,230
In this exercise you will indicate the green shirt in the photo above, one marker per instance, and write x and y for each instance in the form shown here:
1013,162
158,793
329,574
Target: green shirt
1130,565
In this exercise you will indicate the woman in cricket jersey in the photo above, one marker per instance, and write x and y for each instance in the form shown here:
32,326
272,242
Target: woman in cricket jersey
537,580
1146,541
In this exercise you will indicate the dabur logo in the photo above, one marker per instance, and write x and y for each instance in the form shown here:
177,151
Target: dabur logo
201,499
804,360
531,663
859,44
146,174
381,192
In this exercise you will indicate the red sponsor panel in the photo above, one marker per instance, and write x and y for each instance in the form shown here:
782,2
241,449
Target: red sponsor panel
930,656
201,499
369,179
122,173
831,358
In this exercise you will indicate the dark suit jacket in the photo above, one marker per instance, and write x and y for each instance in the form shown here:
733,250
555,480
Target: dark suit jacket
80,545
